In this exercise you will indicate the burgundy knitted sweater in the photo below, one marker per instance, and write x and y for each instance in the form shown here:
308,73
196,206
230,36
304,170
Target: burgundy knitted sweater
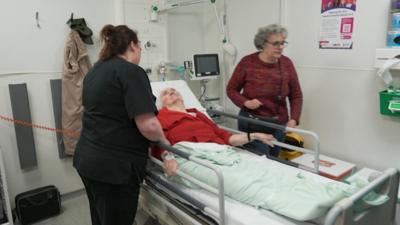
271,84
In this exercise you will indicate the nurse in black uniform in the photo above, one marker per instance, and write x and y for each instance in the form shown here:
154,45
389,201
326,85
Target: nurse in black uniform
119,122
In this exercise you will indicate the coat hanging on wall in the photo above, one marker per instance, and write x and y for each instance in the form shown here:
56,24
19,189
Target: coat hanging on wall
76,65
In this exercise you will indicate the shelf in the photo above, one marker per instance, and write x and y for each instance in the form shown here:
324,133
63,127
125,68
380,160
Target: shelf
384,54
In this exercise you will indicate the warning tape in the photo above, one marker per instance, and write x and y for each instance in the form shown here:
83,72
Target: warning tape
65,132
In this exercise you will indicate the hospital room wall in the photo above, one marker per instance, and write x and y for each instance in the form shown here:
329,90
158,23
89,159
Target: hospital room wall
340,87
34,56
185,38
193,30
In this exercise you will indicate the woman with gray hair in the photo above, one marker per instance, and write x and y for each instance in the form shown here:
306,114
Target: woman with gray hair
261,84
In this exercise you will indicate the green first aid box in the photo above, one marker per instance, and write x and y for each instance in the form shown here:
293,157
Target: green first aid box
389,103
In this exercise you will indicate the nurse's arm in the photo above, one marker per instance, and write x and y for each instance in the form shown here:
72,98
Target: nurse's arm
150,127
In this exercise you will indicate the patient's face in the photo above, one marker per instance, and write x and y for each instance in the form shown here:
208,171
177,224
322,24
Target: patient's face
170,96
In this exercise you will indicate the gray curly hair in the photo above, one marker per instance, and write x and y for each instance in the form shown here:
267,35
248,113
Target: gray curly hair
264,33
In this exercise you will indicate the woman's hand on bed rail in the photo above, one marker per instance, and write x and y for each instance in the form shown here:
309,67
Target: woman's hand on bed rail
241,139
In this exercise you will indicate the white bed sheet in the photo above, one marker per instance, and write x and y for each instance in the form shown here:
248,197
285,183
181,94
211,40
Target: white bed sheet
240,214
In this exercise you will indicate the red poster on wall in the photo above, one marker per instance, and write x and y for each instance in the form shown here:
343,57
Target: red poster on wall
337,24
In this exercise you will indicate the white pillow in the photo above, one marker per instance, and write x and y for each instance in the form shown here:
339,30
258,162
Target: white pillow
189,98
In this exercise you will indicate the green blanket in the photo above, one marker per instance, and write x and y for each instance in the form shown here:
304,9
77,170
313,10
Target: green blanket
261,184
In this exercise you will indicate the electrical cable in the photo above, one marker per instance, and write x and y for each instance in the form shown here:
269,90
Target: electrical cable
220,25
203,93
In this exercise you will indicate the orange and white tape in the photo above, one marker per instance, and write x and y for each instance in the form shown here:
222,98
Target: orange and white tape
68,133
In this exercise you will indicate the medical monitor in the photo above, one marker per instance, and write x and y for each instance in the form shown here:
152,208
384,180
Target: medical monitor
206,66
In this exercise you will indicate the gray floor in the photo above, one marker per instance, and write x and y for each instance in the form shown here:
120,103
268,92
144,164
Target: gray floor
75,211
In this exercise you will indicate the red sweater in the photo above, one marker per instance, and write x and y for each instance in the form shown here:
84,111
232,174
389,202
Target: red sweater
179,126
253,78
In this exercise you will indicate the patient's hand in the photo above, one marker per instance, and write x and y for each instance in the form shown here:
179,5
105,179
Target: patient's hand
264,138
170,166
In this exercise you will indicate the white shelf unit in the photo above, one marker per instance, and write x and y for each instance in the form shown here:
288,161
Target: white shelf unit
384,54
4,192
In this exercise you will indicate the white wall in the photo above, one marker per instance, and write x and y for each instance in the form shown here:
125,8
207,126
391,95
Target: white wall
193,30
243,24
137,16
27,48
37,54
340,87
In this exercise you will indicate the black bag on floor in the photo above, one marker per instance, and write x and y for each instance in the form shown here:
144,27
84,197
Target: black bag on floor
38,204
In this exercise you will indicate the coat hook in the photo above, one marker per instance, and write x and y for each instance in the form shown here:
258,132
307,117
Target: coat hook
37,20
71,18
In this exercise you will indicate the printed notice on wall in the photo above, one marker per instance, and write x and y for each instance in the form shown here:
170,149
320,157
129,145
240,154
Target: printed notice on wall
337,24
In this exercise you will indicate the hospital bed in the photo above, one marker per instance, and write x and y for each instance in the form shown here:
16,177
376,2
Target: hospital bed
172,203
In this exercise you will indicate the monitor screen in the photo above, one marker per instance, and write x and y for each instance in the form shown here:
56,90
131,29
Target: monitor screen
206,65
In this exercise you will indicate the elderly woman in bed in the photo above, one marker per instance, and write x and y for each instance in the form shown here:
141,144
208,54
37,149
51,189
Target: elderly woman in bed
181,124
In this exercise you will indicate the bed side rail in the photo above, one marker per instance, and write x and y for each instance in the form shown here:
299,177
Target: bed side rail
220,179
286,162
180,207
342,213
193,180
154,177
316,143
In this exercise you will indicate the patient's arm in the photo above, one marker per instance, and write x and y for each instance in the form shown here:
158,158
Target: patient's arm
150,128
241,139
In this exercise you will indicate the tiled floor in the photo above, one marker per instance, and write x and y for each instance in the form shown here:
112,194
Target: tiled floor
75,211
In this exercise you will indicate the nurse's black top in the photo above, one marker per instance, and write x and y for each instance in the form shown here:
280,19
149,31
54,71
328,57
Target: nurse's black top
111,149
